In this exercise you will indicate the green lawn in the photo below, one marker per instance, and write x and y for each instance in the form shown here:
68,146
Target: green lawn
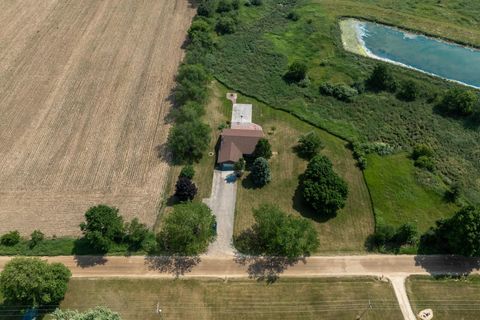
398,197
347,231
254,59
448,298
237,299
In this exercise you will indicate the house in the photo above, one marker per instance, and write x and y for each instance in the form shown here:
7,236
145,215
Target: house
240,139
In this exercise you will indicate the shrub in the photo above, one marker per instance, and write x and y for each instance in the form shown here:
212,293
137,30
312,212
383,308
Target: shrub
387,238
207,8
224,6
103,226
32,282
294,16
226,25
406,234
185,189
190,91
35,238
138,236
425,162
408,90
256,2
422,150
239,166
322,188
236,4
198,26
10,239
187,141
263,149
381,79
194,73
276,233
308,145
260,172
187,172
453,193
187,230
297,71
341,92
97,313
459,102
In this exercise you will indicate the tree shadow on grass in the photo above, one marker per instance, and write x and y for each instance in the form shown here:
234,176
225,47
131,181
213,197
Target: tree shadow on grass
15,311
299,205
264,268
175,265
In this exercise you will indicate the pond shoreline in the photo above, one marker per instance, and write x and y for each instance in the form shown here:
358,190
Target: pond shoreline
352,34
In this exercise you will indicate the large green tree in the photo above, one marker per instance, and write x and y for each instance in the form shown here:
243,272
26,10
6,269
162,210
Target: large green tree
279,234
188,230
460,102
34,282
323,189
260,172
97,313
263,149
309,144
462,232
187,141
382,79
103,226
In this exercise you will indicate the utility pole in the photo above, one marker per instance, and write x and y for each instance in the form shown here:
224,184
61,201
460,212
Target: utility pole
360,316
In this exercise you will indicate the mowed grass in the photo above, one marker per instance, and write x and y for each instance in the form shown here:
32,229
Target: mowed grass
448,298
398,198
344,233
236,299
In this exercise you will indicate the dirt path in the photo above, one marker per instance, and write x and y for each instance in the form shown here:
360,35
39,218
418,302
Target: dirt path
398,283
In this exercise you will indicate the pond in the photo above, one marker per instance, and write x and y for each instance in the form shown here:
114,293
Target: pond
433,56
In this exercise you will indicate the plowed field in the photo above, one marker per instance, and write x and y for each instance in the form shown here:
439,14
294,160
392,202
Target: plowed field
84,90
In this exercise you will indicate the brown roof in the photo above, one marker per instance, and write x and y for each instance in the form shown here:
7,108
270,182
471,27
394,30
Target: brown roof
234,143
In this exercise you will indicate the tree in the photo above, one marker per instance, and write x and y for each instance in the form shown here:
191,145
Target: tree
138,236
187,141
459,102
297,71
10,239
97,313
194,73
190,111
308,145
256,2
198,26
382,79
239,166
34,282
207,8
406,234
263,149
187,172
224,6
462,232
260,172
185,189
190,91
408,90
454,192
279,234
103,226
36,237
323,189
188,230
225,25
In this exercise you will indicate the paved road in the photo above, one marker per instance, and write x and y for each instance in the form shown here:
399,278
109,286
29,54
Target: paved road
222,202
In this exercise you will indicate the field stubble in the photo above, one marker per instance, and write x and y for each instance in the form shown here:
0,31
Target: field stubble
84,90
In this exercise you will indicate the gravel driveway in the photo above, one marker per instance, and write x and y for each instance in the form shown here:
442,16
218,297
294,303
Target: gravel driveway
222,202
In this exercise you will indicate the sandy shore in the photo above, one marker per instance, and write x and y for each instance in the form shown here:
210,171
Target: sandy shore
351,38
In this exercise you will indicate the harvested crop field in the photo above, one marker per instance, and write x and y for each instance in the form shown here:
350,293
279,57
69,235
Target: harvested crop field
84,90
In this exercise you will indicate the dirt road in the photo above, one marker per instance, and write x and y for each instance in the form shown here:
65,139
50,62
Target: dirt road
84,90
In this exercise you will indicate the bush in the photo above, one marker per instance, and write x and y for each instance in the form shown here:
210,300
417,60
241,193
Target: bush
256,2
10,239
260,172
187,172
194,73
226,25
198,26
97,313
190,91
341,92
103,226
381,79
459,102
408,90
387,238
32,282
453,193
35,238
207,8
322,188
236,4
422,150
138,236
425,162
224,6
187,141
185,189
188,230
189,112
297,71
263,149
239,166
294,16
276,233
308,145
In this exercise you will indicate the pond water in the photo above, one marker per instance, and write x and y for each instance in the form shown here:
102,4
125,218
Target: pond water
436,57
